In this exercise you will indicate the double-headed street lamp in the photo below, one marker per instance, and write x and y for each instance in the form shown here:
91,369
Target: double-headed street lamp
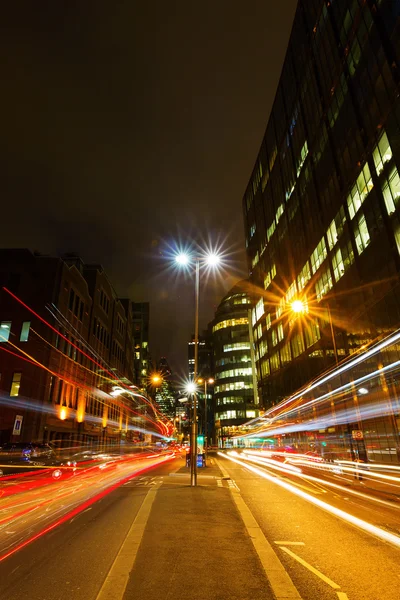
211,260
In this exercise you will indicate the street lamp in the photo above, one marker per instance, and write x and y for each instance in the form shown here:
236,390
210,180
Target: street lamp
210,380
211,259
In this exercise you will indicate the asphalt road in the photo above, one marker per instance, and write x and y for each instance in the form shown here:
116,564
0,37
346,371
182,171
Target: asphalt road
325,556
72,560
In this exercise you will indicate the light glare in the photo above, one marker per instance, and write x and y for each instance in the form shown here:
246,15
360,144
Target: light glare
298,306
182,259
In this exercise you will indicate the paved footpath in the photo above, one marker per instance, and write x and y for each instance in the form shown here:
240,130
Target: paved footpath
196,543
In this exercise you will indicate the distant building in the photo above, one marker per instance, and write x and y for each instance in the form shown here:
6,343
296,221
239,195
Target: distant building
234,398
164,392
65,344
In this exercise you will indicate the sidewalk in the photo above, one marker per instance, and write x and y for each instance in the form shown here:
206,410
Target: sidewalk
194,545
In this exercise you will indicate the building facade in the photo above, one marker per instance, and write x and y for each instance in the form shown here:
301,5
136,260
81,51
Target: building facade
322,207
65,344
234,400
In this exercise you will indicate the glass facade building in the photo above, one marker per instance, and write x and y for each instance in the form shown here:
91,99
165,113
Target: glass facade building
322,207
233,386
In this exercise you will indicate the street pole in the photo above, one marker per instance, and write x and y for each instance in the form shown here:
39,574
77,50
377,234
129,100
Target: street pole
332,334
205,418
193,453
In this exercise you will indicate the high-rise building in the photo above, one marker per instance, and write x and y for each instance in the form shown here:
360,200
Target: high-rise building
322,207
234,400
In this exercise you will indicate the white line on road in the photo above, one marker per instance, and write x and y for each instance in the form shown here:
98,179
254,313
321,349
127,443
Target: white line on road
116,581
290,543
307,565
279,580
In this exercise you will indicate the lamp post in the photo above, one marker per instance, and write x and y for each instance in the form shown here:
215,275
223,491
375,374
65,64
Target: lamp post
210,380
211,259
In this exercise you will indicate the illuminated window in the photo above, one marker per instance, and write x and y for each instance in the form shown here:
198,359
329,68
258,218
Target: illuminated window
359,191
262,348
26,325
391,190
338,265
274,337
5,329
304,276
236,346
312,333
250,414
318,256
323,283
234,373
230,323
361,234
280,332
286,355
297,345
275,364
382,153
268,321
259,309
335,229
15,384
265,370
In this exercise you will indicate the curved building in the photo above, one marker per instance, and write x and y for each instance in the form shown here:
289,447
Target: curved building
233,389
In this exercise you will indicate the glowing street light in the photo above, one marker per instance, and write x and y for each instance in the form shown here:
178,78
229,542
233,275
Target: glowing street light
210,259
298,306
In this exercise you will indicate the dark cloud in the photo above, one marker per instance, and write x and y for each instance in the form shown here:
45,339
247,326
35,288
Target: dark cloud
127,125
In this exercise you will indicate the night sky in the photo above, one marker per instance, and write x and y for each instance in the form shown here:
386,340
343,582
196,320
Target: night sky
131,128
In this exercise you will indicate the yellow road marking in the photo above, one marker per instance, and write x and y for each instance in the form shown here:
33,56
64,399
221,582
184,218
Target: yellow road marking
290,543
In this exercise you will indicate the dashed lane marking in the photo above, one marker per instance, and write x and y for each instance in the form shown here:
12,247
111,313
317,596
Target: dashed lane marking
342,596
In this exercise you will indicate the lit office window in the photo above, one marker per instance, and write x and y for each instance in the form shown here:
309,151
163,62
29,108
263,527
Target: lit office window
15,384
391,190
318,256
230,323
268,321
338,265
26,325
5,328
280,332
265,370
359,191
323,284
259,309
335,229
286,355
236,346
250,414
361,234
304,277
382,153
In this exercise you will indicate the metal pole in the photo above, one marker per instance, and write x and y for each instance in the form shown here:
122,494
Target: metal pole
205,418
193,461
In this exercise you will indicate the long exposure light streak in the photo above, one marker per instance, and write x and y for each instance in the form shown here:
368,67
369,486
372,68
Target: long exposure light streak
360,523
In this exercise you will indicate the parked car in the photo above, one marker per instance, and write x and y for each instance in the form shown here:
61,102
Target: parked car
23,457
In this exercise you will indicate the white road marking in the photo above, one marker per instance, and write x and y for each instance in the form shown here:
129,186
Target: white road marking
280,582
307,565
290,543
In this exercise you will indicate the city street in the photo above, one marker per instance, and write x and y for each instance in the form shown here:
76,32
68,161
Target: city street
324,556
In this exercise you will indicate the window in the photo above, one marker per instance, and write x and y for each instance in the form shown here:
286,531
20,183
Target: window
265,370
230,323
259,309
280,332
268,321
286,355
382,153
250,414
236,346
359,191
304,277
323,284
318,256
335,229
391,190
5,329
71,299
25,331
338,265
361,234
15,384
